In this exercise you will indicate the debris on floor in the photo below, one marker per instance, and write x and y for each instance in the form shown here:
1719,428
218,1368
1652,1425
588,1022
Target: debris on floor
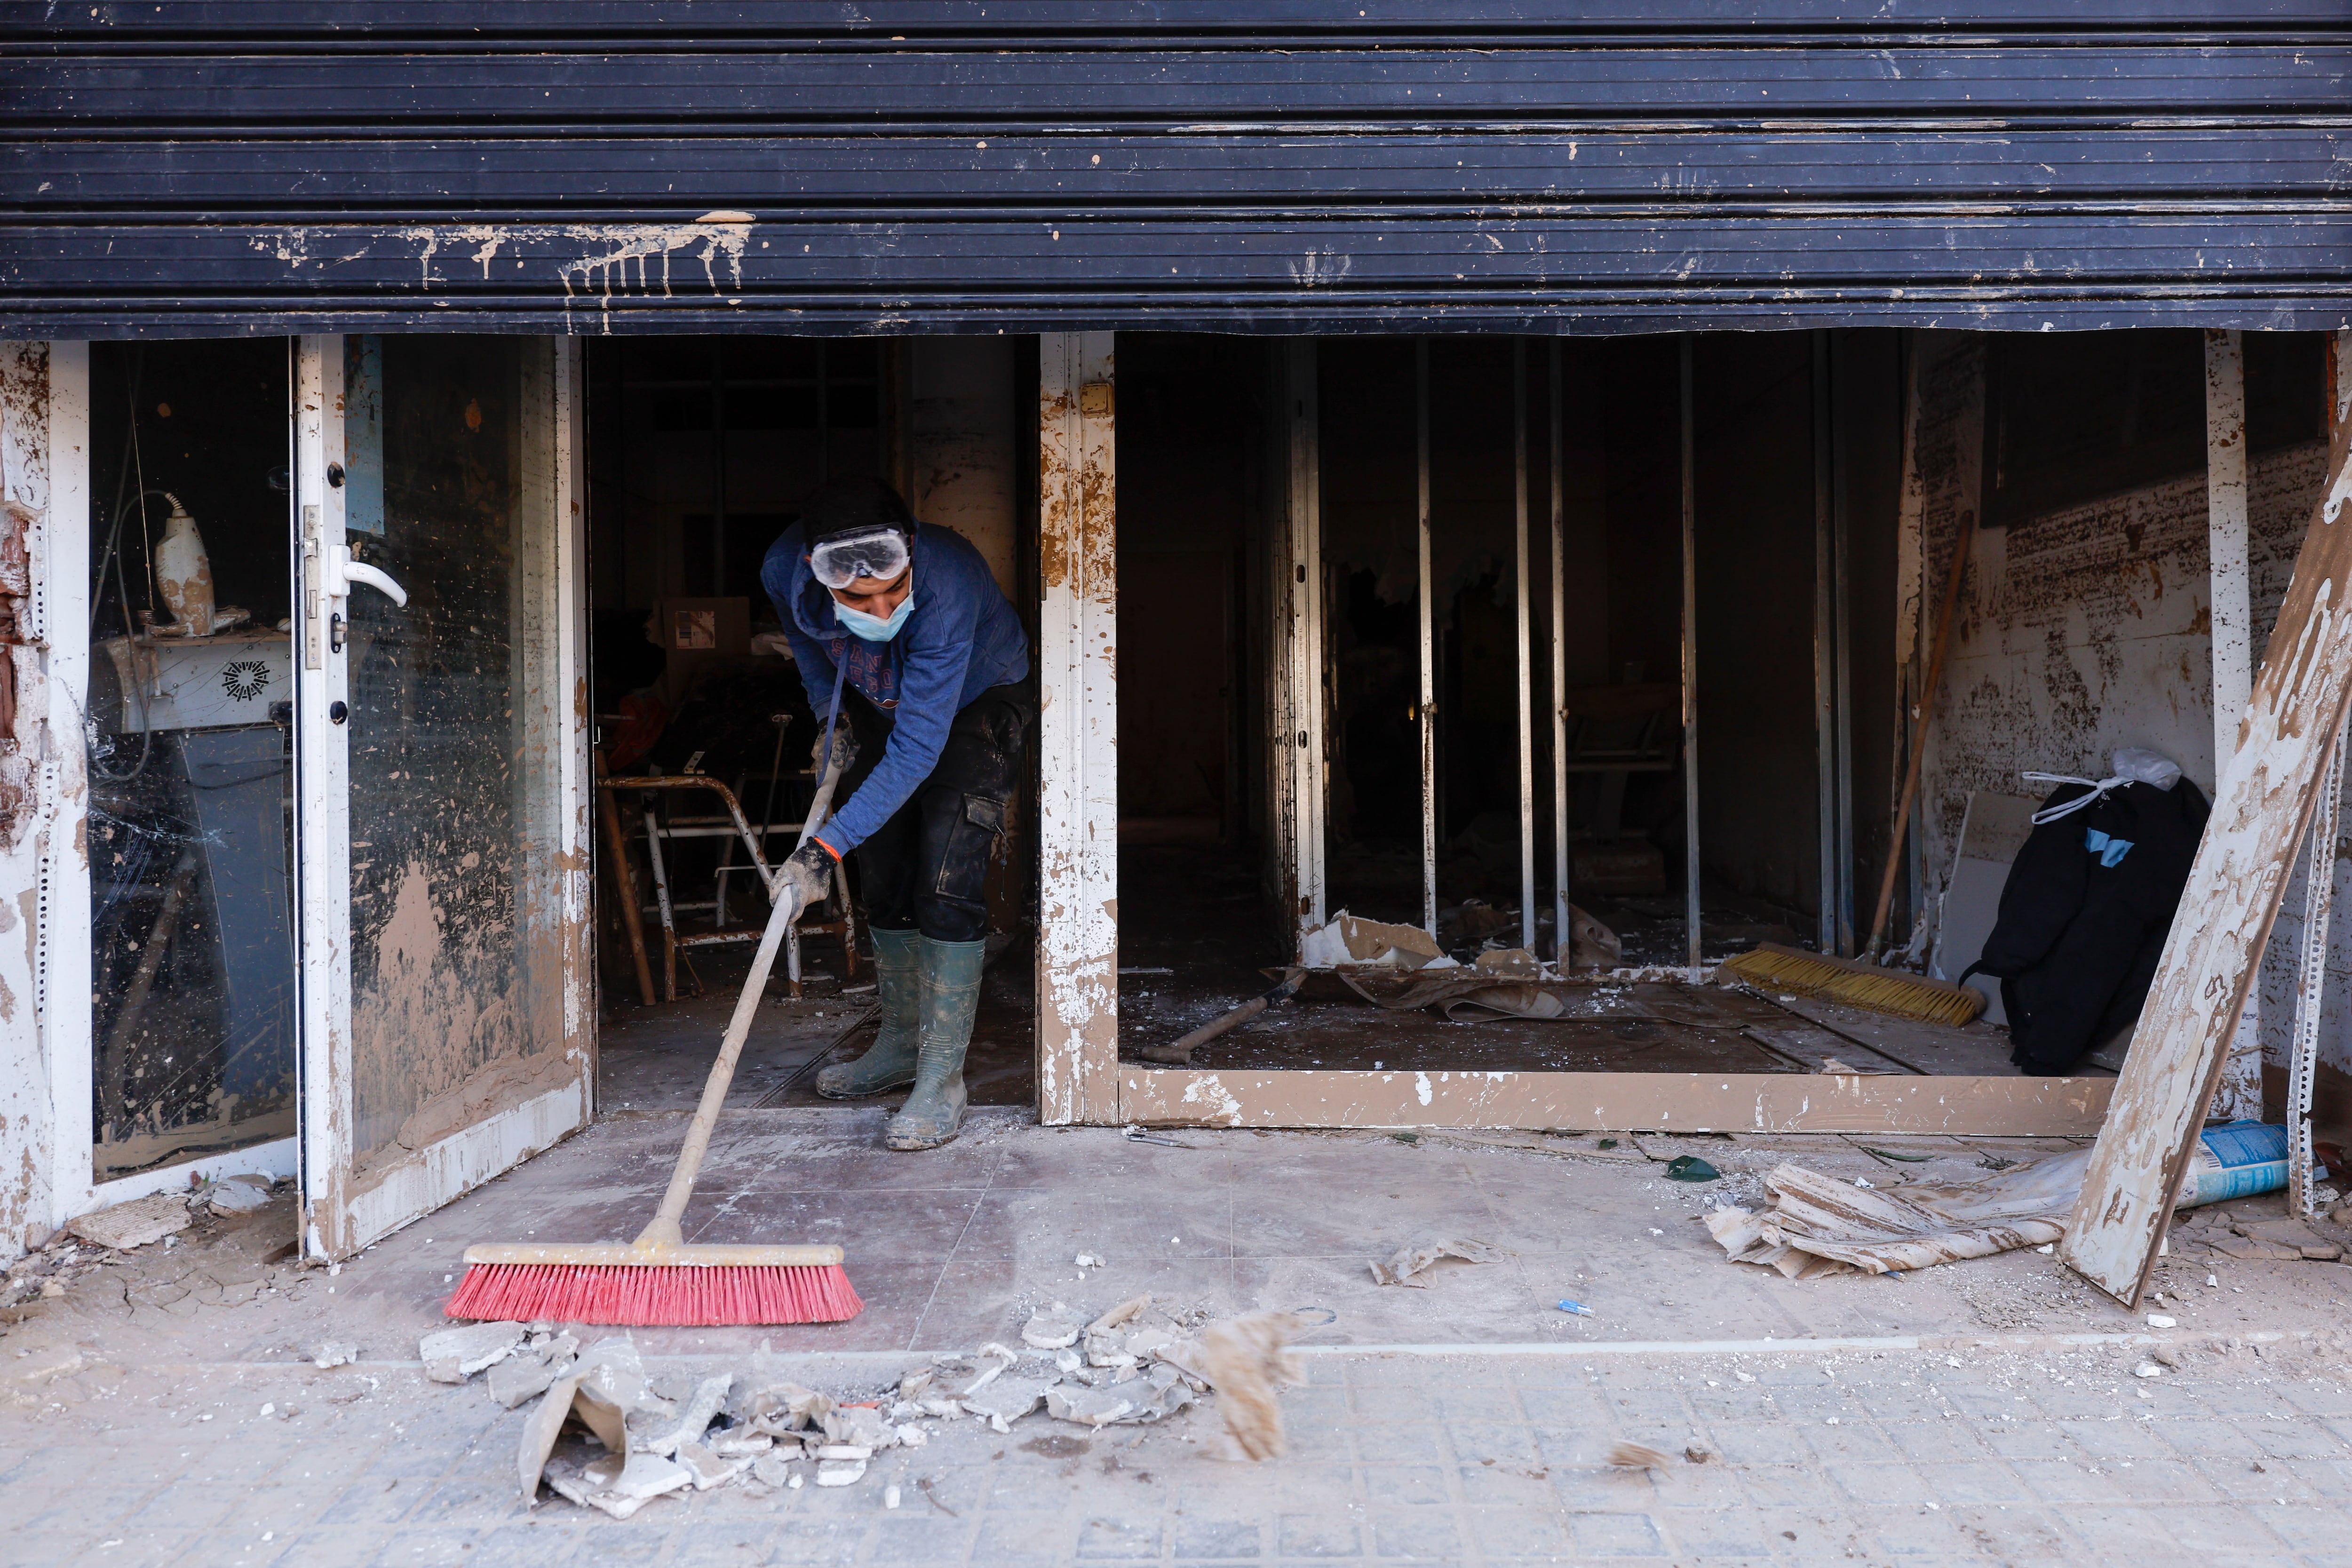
1817,1225
453,1355
136,1223
606,1435
236,1194
1348,941
1407,1265
1246,1359
1641,1457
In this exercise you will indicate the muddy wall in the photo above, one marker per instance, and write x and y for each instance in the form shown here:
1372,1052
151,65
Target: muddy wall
2084,629
964,446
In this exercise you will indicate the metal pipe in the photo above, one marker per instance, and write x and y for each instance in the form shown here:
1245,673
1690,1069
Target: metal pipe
1690,669
1824,656
1427,609
1526,650
1563,944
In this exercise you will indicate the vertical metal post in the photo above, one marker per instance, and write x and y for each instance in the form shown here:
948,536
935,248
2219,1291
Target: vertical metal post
2240,1093
1428,612
1690,668
2311,984
1304,697
1526,648
1563,941
1843,717
1824,656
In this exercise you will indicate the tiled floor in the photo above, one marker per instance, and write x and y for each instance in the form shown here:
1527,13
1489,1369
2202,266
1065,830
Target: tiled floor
1940,1448
1810,1455
955,1247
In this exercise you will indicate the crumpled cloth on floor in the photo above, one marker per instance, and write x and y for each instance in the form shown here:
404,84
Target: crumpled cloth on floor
1819,1224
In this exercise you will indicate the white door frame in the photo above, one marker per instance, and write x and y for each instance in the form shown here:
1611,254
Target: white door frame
340,1217
60,557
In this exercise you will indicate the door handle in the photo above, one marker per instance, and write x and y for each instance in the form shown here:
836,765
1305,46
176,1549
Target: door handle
342,572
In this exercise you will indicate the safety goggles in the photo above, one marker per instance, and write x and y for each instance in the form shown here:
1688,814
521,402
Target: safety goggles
874,553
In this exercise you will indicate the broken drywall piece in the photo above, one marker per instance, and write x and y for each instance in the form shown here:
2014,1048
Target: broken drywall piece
840,1472
955,1378
1348,941
134,1223
1126,1312
1406,1266
1051,1328
600,1388
453,1355
862,1425
708,1469
1008,1399
779,1408
1095,1408
523,1377
330,1355
620,1487
701,1407
237,1195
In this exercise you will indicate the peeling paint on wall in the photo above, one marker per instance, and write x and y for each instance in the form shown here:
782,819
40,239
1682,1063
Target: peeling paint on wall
2090,628
1077,814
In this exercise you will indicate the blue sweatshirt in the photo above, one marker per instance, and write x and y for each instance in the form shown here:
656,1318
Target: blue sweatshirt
961,638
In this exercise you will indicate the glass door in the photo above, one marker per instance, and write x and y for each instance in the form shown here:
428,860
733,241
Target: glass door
441,772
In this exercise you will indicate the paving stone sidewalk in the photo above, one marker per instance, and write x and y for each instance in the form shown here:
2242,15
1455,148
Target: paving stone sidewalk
2242,1454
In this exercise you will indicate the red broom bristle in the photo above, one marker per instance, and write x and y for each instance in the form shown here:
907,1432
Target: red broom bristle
653,1296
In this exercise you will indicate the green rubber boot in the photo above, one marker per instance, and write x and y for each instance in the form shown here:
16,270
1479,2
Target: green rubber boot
950,999
899,986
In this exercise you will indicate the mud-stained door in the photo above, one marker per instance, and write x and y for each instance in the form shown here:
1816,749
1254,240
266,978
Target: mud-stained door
443,800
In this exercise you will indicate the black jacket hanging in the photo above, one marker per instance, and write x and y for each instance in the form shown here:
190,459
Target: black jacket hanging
2083,917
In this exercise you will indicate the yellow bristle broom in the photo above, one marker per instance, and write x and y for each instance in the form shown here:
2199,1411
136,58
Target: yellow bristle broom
1772,967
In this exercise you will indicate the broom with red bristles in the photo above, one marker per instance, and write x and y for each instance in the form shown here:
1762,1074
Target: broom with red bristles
657,1280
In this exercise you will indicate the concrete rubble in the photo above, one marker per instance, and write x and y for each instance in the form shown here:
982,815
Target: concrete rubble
453,1355
606,1437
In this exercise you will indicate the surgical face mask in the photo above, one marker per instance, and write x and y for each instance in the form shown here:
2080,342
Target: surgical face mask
874,628
879,553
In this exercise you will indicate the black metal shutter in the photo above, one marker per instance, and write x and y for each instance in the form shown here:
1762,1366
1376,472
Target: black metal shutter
1257,165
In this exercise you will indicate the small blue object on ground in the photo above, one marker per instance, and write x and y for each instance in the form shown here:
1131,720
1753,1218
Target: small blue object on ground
1578,1307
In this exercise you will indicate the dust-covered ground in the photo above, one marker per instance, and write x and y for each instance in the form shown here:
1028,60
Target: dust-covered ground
165,1402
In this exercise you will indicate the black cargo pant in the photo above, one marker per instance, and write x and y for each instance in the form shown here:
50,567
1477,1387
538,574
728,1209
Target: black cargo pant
927,867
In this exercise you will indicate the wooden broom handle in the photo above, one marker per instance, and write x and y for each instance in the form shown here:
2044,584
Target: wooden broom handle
1918,742
666,1231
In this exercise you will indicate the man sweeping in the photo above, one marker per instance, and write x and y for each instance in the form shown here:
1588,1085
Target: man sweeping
935,698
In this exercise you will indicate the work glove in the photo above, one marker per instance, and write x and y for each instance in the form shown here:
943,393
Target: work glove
845,746
808,874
